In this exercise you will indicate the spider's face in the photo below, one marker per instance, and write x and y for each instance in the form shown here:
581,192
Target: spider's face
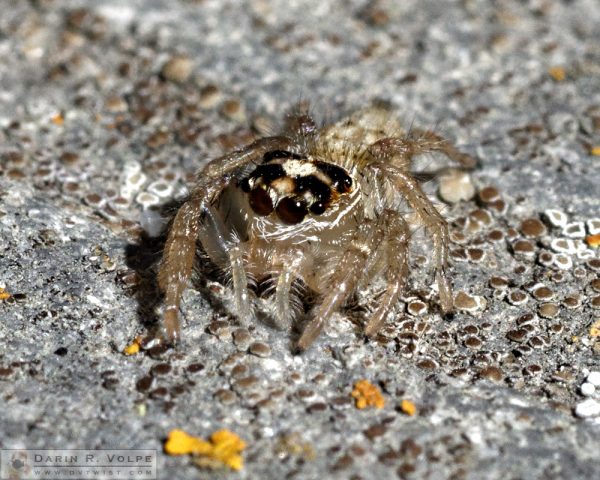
293,187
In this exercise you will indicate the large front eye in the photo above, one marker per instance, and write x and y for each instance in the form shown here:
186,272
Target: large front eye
291,210
260,202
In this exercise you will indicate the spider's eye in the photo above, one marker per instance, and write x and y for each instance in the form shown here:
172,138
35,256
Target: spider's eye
318,208
260,202
291,211
343,184
347,183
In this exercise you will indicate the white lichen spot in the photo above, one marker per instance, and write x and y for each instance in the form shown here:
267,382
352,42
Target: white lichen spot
574,230
556,218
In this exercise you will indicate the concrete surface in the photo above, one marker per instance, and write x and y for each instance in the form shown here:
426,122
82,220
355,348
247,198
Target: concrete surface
103,101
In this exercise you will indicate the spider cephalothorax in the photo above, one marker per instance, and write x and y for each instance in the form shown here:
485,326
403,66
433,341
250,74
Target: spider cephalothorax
318,206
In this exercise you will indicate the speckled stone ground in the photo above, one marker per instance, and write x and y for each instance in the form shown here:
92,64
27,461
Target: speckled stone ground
108,108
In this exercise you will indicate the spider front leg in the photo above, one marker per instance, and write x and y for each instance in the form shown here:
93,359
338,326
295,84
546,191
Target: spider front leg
243,305
396,246
180,247
433,221
344,280
284,311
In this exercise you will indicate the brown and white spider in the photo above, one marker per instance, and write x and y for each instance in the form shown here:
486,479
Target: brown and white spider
316,205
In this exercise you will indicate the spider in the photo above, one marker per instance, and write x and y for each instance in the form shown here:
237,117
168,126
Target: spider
319,206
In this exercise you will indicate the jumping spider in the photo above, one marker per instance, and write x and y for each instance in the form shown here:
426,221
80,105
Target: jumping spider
317,205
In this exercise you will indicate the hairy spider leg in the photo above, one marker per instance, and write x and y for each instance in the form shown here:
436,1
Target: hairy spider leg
180,247
396,245
344,280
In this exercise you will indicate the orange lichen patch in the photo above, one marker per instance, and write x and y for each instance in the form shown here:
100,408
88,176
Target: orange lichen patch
134,347
223,449
367,395
4,295
408,407
181,443
595,329
58,119
593,240
557,73
595,150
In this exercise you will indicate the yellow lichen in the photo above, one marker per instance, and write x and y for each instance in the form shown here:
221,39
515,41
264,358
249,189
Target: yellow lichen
408,407
223,449
595,329
58,119
593,240
595,150
557,73
4,295
133,347
367,395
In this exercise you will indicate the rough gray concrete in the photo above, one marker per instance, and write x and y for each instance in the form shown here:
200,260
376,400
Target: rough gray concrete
90,119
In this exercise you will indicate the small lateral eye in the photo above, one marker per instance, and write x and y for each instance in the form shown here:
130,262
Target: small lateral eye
347,183
291,210
260,202
318,208
343,185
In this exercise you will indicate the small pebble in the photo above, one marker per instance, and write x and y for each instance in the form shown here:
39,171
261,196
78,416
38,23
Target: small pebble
473,342
489,195
556,218
594,378
226,397
588,408
519,335
492,373
241,338
481,216
234,110
587,389
574,230
177,69
456,186
498,283
260,349
495,236
499,206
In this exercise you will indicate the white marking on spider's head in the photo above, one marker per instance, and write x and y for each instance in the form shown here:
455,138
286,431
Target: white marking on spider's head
299,168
